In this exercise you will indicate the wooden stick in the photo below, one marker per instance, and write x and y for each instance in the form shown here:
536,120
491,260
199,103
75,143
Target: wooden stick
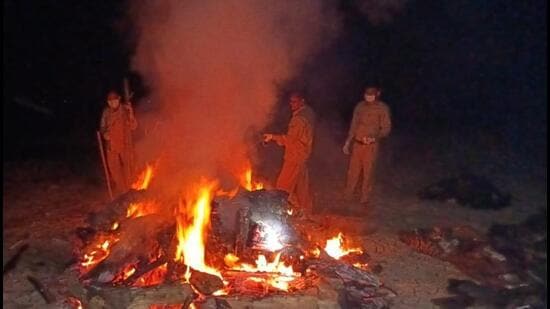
102,153
127,94
143,270
12,261
41,289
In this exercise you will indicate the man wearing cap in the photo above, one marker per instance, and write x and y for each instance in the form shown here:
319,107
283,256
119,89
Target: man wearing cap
117,124
371,122
297,142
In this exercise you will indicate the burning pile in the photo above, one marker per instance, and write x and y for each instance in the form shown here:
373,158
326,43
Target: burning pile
214,242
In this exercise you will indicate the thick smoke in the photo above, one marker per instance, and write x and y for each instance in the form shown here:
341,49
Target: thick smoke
213,68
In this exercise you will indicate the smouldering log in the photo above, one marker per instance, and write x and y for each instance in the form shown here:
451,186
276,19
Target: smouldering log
116,210
143,269
139,238
205,283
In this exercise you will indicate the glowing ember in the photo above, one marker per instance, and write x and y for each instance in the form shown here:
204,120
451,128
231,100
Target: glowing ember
361,265
279,275
97,252
334,247
191,238
262,265
316,252
125,273
154,277
74,302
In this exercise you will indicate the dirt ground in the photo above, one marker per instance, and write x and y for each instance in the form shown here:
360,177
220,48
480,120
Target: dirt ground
44,201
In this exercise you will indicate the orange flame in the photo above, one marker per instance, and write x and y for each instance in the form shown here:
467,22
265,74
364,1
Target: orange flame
280,274
248,183
97,252
361,265
334,247
154,277
144,179
191,239
141,209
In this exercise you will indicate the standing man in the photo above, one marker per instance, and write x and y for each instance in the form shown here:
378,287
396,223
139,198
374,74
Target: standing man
298,141
117,124
371,122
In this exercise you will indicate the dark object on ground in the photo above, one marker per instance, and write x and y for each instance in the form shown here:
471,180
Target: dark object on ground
468,190
470,294
509,263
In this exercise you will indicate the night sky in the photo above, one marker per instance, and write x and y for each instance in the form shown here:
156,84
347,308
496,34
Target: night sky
447,66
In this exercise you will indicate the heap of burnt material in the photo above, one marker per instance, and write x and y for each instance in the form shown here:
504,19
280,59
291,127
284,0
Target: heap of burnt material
250,223
509,262
468,190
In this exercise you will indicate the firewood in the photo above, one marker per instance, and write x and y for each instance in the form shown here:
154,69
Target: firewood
143,269
116,210
140,298
48,297
205,283
138,239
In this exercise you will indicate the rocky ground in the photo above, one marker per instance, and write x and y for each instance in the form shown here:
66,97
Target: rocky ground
44,201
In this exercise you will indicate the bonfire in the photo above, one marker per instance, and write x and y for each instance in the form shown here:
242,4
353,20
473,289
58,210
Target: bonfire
196,252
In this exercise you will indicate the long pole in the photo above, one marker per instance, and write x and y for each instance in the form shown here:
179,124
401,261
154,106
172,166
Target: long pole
102,154
127,93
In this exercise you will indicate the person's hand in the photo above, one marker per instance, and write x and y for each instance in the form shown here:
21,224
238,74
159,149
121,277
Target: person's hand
268,137
345,149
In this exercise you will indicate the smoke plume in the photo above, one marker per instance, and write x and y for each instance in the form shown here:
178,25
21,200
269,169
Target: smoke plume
213,68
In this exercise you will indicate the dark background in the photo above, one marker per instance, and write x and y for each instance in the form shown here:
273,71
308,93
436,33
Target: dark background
447,68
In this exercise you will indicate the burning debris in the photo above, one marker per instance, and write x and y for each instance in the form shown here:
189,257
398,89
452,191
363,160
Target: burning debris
509,262
244,244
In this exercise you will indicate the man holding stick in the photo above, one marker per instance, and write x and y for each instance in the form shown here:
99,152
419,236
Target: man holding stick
117,124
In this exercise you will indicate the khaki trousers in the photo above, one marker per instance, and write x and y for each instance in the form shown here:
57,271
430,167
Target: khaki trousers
120,170
362,160
294,179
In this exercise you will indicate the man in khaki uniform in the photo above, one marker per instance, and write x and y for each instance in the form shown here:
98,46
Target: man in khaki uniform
117,124
371,122
298,140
